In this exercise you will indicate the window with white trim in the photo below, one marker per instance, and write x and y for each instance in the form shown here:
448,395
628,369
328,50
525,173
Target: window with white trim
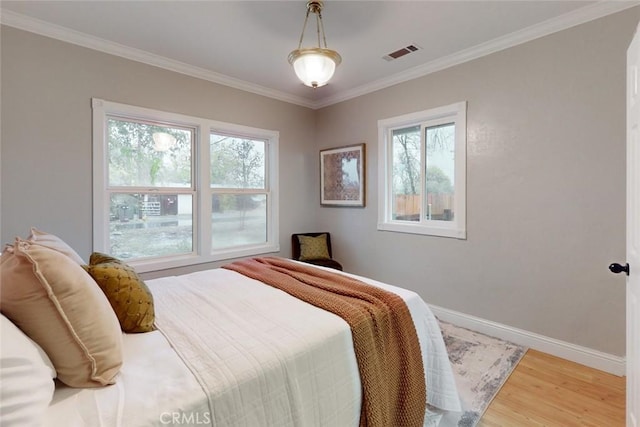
171,190
422,172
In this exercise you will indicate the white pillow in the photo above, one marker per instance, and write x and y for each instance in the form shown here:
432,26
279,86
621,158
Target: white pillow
53,242
26,375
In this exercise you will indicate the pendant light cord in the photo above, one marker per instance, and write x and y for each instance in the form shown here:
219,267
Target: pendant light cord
319,27
304,27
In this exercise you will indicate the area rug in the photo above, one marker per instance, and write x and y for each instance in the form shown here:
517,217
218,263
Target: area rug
481,365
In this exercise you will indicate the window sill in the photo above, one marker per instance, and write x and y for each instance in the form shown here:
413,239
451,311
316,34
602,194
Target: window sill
158,264
438,229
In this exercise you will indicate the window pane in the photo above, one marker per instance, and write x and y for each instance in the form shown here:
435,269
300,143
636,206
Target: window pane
150,225
440,144
237,162
148,155
406,186
238,219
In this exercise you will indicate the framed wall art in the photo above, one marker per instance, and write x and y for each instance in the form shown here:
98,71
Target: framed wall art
342,176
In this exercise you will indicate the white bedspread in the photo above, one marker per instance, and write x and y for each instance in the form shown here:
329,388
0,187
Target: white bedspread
152,383
269,360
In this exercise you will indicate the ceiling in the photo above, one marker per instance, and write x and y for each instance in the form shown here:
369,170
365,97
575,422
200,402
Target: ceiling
245,44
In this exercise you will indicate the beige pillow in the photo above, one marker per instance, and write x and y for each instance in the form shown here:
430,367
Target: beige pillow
59,306
127,293
313,247
53,242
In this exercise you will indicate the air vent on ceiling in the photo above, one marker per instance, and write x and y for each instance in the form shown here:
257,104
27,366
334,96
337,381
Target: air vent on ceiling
401,52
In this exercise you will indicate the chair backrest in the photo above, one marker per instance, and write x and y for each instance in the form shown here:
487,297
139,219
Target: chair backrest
295,243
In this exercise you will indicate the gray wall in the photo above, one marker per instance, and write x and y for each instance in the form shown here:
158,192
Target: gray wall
545,174
47,86
545,187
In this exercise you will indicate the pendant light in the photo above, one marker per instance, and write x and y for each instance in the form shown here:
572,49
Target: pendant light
163,141
315,65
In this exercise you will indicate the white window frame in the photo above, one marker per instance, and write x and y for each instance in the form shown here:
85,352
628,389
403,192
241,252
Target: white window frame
454,113
202,208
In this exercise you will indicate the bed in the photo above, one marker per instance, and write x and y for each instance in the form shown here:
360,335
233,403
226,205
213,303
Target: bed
229,350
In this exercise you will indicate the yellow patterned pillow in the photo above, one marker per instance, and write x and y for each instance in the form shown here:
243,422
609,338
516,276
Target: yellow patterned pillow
127,293
99,258
313,247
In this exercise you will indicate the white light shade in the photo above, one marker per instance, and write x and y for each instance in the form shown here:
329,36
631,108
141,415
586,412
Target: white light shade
314,67
163,141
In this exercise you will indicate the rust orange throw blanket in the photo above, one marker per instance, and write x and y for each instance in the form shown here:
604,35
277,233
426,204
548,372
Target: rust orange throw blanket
384,336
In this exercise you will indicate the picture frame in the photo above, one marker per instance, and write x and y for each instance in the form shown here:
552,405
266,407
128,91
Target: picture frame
342,176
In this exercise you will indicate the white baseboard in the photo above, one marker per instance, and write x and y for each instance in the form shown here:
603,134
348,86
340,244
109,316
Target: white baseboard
585,356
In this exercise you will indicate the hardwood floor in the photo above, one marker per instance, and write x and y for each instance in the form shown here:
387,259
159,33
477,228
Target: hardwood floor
545,390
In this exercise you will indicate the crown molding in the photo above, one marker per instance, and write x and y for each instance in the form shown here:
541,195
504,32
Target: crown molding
571,19
47,29
554,25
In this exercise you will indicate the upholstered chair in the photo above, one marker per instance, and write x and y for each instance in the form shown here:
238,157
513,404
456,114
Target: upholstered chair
314,248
